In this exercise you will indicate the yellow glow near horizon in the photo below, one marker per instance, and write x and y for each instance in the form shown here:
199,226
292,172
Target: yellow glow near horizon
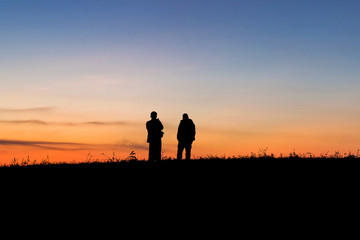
120,139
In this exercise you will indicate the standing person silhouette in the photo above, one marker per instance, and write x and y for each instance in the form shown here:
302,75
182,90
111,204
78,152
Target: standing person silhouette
155,133
186,136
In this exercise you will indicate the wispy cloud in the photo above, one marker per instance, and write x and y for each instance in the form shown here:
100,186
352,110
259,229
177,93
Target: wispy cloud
41,122
132,145
24,110
63,146
101,123
71,146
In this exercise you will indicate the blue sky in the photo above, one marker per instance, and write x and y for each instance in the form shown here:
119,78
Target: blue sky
258,29
221,37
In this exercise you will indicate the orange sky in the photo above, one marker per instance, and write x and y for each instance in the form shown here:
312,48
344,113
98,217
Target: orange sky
74,141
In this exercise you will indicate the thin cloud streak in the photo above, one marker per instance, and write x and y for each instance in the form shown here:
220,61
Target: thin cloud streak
127,144
70,146
40,122
24,110
63,146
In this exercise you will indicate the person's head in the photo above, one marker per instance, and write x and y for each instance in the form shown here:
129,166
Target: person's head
185,116
153,115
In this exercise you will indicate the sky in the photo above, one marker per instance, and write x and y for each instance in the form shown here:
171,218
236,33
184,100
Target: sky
79,78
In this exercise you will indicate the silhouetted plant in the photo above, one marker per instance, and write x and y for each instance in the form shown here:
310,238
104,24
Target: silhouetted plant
14,162
167,158
25,162
89,158
324,155
111,159
294,155
46,161
262,154
132,156
350,155
336,155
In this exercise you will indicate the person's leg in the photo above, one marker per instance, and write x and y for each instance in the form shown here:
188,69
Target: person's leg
158,151
188,151
155,150
180,151
151,151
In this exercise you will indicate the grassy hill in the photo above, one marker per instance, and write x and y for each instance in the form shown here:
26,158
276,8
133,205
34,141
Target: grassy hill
261,160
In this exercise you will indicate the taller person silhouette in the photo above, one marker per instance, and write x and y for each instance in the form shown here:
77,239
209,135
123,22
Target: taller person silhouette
186,136
155,133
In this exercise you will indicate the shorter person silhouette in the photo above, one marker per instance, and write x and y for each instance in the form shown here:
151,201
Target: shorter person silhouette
155,133
186,136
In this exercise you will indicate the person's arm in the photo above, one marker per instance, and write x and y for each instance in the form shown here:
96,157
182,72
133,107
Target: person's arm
179,132
161,126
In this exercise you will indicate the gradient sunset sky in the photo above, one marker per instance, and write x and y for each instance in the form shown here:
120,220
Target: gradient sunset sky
82,76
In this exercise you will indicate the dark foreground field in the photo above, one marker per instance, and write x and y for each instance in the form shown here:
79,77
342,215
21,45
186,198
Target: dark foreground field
255,172
203,163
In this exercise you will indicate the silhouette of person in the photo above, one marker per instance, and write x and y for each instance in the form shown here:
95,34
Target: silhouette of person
186,136
155,133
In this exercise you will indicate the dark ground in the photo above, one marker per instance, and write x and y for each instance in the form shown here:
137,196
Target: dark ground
259,179
209,163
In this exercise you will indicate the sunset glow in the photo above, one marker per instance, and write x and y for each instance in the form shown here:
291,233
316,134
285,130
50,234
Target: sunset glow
80,78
